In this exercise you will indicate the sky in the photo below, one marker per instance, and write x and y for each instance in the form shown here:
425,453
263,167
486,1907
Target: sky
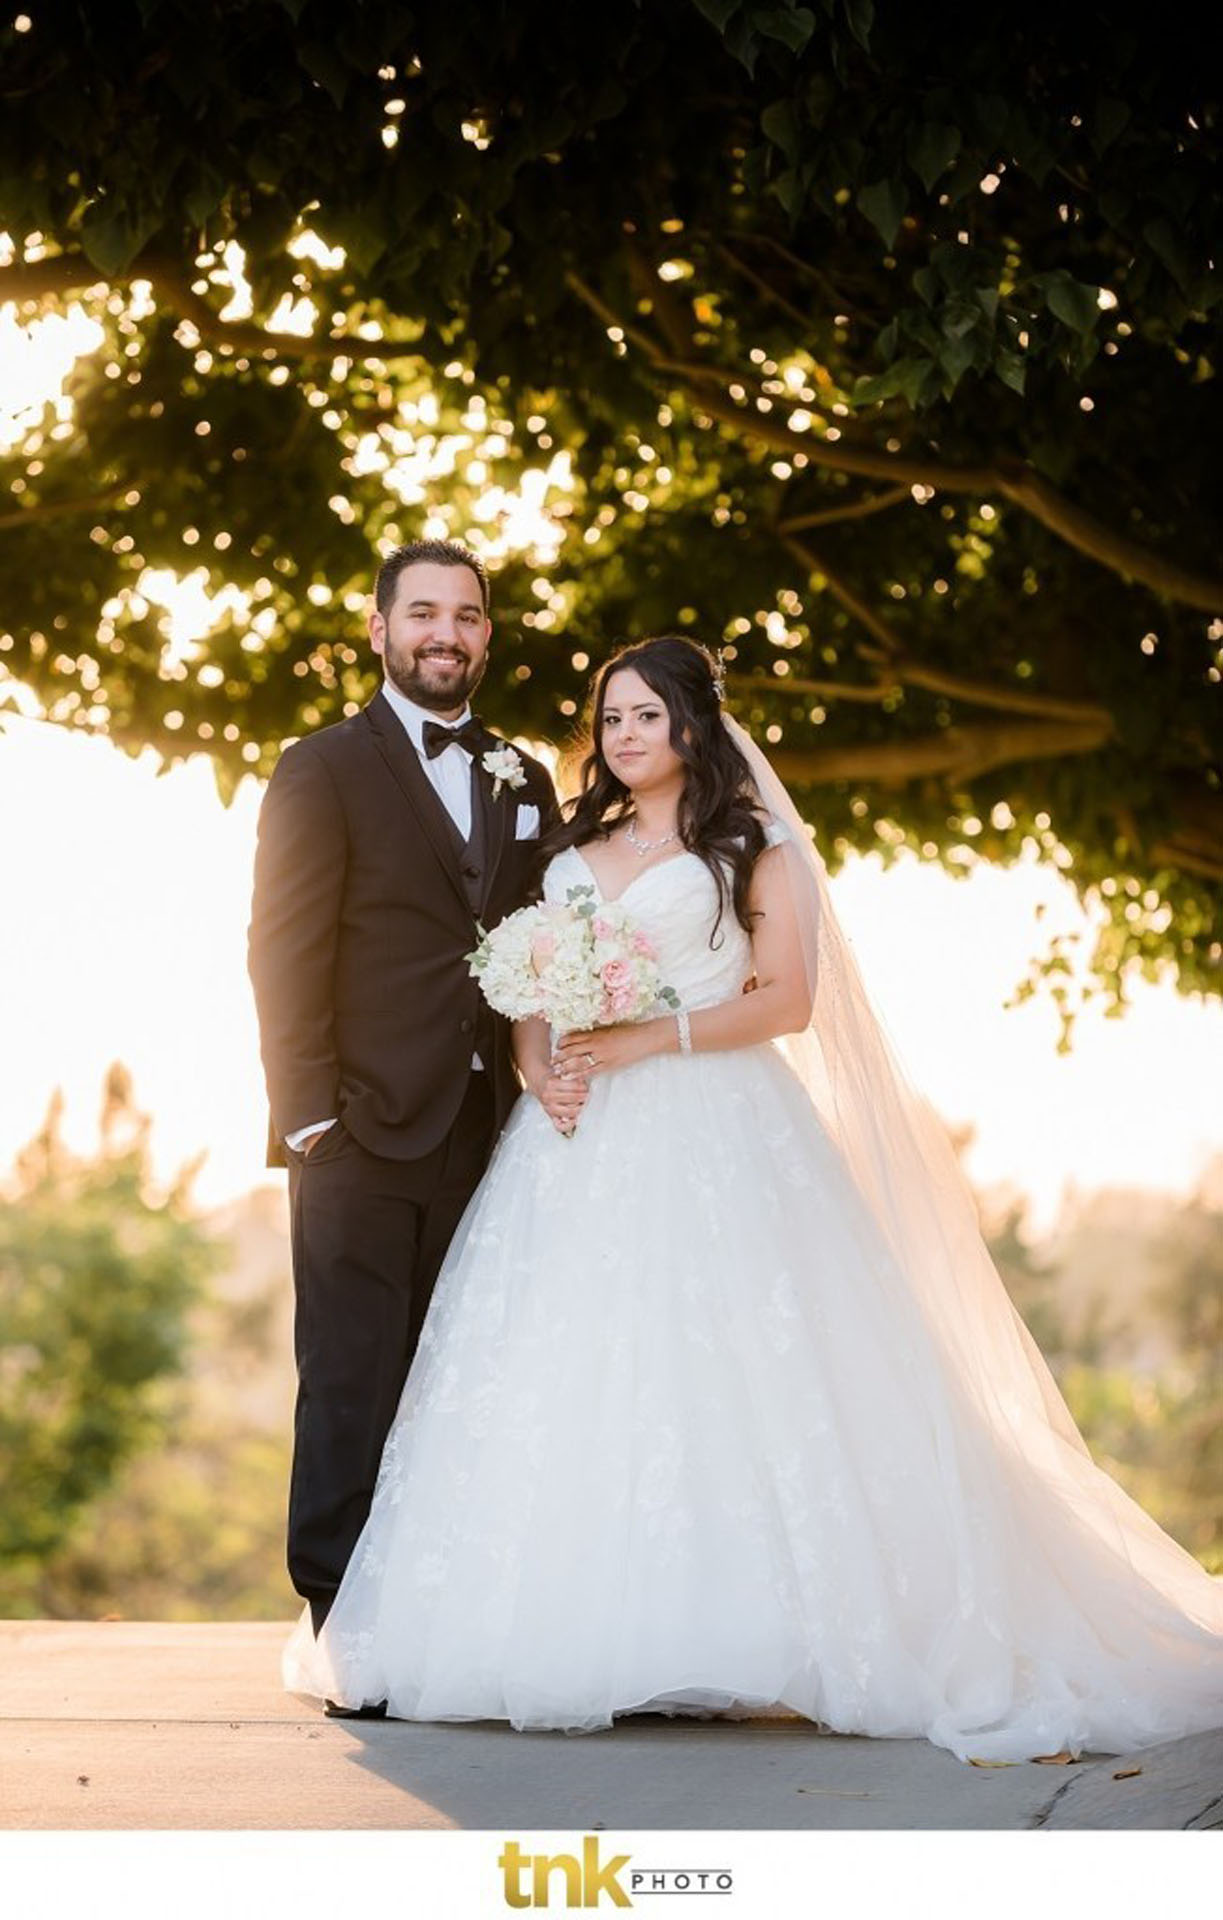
125,898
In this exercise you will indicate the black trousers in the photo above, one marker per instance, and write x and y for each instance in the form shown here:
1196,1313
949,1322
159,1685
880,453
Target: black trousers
369,1236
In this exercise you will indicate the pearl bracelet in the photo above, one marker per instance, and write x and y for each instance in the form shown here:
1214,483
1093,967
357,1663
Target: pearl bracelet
685,1032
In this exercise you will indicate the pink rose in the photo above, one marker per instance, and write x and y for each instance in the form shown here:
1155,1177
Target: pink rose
543,948
603,929
619,986
644,946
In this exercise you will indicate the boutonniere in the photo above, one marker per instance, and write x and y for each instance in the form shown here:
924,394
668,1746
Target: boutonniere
505,766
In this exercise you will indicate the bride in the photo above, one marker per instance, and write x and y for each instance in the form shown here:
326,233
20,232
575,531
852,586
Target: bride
721,1404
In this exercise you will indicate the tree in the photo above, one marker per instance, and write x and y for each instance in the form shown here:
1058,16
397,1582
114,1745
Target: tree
879,350
96,1277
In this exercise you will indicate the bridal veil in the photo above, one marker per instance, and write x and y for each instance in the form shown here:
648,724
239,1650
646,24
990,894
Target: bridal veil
1061,1507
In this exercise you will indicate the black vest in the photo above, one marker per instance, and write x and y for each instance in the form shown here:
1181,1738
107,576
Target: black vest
473,866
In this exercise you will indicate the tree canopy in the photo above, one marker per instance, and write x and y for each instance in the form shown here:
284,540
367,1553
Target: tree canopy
879,349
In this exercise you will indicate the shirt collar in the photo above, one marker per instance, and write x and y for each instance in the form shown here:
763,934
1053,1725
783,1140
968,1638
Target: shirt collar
413,718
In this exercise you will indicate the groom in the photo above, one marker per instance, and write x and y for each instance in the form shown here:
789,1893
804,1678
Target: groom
383,840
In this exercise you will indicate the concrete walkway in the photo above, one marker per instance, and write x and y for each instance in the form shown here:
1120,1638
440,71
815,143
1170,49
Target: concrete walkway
131,1726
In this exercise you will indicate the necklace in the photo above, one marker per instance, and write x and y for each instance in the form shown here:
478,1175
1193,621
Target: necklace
642,847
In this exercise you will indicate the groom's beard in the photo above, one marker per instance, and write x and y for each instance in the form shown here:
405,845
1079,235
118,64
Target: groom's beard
427,682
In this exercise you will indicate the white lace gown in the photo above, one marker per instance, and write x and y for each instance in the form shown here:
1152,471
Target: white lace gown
673,1441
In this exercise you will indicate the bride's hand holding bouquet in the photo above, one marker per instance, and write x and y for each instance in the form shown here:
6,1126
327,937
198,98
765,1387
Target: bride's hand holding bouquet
587,970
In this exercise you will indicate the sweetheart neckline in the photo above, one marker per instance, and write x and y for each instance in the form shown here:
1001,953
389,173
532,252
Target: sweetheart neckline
611,900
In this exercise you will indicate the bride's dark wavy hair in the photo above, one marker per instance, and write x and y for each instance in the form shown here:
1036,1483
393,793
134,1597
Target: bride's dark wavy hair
718,817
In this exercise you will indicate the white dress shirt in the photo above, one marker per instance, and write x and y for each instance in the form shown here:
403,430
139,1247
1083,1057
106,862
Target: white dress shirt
449,774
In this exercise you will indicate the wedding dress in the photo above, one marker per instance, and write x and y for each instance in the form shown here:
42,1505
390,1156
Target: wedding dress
682,1435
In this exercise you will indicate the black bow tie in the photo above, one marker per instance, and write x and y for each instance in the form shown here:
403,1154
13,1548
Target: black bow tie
472,735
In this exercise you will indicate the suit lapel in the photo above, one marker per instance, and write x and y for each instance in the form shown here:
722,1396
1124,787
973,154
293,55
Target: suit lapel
404,766
497,816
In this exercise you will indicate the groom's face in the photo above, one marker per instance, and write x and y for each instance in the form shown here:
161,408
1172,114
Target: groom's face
434,640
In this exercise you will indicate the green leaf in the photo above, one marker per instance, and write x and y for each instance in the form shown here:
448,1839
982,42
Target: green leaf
323,63
956,356
1073,302
1027,143
788,187
717,12
928,284
1110,118
1114,206
884,203
742,43
990,111
932,150
205,196
860,15
792,26
113,239
959,317
1012,371
906,376
987,300
1162,240
780,123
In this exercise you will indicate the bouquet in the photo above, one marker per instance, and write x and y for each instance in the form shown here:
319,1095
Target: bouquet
584,964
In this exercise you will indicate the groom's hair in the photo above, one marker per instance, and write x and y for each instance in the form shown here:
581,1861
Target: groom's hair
441,553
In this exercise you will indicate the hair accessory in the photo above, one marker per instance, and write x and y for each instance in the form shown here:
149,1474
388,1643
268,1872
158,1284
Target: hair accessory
719,677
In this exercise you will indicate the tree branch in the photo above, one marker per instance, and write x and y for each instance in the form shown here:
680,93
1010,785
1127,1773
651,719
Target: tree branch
1172,853
1195,840
893,667
852,510
835,297
71,272
50,509
247,336
956,753
911,673
611,318
673,317
763,287
851,601
1078,528
1011,477
61,273
977,693
819,689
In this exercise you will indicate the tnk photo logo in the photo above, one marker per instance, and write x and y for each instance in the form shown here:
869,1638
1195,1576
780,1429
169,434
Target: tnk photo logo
572,1880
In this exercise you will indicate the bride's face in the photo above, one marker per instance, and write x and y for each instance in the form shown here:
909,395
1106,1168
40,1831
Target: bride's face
636,734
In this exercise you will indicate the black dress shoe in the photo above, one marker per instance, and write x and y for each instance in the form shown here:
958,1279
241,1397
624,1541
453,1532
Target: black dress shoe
334,1711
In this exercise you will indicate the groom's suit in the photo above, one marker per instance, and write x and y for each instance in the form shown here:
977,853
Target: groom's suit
366,901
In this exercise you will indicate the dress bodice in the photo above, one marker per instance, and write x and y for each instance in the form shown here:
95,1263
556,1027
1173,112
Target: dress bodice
674,902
